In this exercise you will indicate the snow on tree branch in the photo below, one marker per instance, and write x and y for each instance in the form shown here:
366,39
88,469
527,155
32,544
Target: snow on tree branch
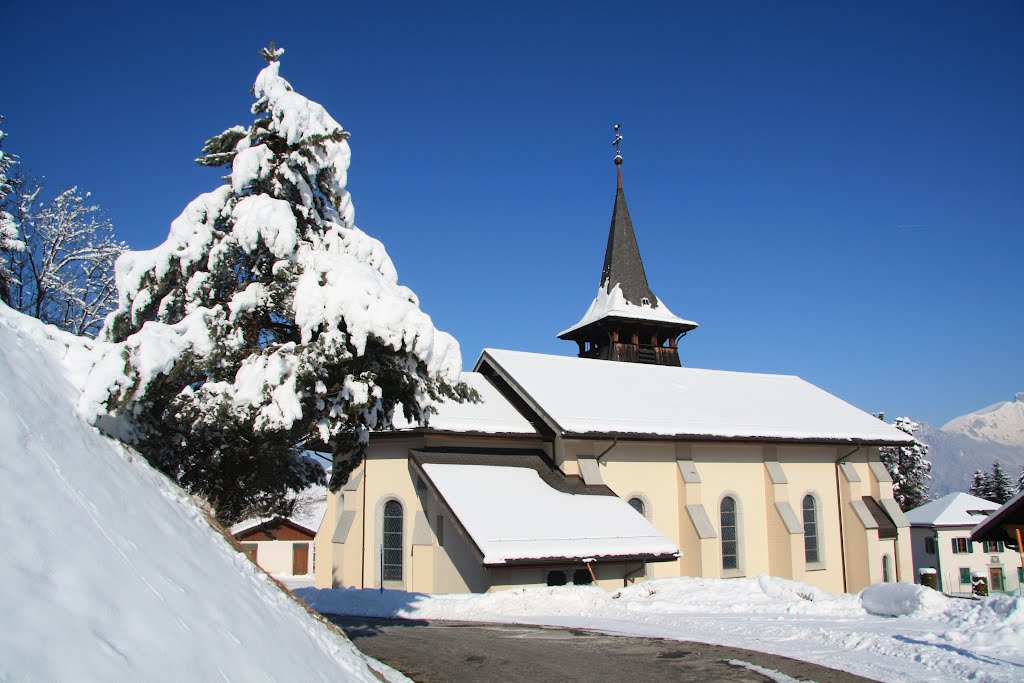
267,317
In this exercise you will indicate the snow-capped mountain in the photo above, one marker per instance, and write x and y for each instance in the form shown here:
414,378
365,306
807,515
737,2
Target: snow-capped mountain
972,442
1001,422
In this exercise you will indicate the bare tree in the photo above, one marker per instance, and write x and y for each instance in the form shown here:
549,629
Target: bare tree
64,275
9,242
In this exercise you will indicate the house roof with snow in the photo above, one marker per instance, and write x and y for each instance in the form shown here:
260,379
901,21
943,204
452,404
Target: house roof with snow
494,414
520,509
956,509
308,514
595,398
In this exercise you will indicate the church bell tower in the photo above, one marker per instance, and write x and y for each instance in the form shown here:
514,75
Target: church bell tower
626,322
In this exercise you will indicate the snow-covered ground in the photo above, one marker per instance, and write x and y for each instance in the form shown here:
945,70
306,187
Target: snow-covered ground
109,571
890,632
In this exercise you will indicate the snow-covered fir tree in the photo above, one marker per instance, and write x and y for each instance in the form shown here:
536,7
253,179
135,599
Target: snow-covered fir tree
908,466
64,273
265,320
979,485
9,242
1000,487
1020,480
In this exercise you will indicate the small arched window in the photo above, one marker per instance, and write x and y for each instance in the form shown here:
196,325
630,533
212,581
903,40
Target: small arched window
886,576
811,550
391,566
638,505
730,537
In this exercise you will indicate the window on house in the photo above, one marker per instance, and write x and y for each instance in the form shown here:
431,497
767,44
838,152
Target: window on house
961,545
929,545
886,575
811,555
992,546
638,505
965,575
391,569
730,537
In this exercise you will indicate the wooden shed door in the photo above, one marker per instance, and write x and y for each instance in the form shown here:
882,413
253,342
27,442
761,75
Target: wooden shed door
300,559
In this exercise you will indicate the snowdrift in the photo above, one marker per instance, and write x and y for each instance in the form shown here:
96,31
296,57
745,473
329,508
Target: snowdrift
109,571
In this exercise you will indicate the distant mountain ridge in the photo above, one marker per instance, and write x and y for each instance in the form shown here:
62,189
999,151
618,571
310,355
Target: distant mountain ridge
1001,422
972,441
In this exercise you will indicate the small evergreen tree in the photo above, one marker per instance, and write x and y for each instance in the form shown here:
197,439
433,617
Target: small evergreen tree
1000,487
265,320
908,466
1020,480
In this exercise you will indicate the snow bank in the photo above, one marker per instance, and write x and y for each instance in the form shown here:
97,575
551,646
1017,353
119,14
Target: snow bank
900,599
995,624
937,638
110,572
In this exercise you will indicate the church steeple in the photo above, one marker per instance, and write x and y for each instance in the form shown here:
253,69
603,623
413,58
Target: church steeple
626,321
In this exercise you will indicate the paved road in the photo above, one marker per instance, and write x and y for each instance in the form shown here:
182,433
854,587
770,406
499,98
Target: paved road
431,651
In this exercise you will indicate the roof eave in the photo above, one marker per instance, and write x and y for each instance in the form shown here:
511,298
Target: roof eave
598,559
677,436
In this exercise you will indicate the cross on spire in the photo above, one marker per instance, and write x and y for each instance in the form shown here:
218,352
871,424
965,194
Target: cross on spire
618,155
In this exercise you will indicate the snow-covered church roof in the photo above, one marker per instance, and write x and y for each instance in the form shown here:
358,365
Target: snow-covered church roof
582,396
956,509
514,514
492,415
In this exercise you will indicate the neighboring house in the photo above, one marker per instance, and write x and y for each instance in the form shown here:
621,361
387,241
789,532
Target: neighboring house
1006,526
283,546
941,540
620,464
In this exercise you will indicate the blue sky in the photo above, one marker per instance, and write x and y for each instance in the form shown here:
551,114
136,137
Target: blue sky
832,190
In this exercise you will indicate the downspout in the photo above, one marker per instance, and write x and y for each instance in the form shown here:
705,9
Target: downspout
839,502
362,557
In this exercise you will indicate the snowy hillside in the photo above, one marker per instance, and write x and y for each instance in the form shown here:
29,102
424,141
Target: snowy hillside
1002,422
110,572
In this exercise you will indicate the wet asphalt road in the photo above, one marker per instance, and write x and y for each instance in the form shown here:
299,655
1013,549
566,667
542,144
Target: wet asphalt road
455,651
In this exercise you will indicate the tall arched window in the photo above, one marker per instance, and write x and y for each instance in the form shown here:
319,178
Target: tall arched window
886,576
730,537
391,567
811,554
638,505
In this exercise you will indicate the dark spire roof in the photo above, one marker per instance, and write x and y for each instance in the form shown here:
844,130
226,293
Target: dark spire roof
622,263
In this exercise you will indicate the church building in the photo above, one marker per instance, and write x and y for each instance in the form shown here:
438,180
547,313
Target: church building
620,464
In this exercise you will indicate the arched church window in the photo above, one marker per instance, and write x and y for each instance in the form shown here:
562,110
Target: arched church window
811,538
730,536
638,505
391,567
